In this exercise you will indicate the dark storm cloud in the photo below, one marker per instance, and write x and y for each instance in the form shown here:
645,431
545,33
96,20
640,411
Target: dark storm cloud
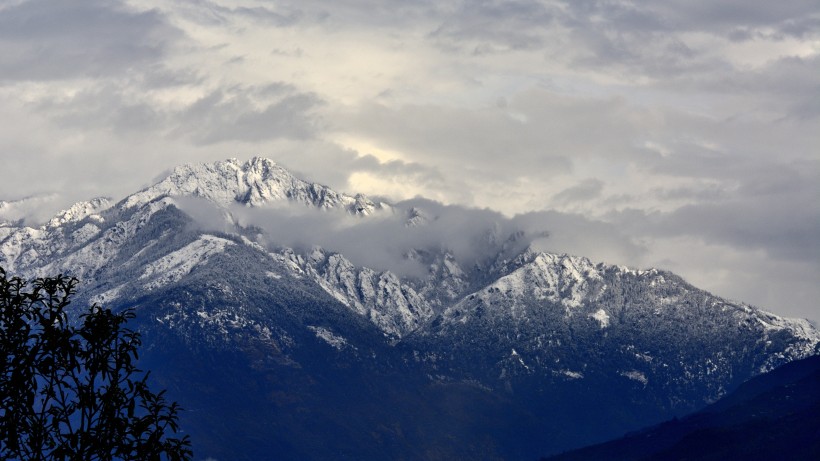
47,40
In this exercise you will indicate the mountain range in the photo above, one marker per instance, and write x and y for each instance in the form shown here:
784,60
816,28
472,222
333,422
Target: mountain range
296,322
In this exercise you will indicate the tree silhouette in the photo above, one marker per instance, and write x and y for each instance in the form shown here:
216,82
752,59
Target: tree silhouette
74,392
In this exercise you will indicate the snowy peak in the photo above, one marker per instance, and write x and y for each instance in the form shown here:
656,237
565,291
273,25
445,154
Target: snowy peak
80,211
253,183
543,278
218,182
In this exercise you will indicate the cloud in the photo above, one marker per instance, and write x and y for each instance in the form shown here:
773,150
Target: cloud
104,107
786,228
716,17
578,235
772,211
248,114
211,12
777,285
383,242
699,15
32,211
494,26
583,191
44,40
538,131
238,115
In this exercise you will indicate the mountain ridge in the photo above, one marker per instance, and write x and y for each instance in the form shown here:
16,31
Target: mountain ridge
252,183
261,181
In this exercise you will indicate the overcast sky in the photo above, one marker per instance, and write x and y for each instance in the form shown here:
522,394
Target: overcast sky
682,134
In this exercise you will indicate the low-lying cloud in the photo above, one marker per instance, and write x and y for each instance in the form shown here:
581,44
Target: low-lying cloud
383,241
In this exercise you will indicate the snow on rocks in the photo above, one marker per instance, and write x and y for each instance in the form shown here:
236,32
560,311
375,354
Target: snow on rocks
332,339
379,296
602,317
172,267
551,278
635,376
80,211
253,183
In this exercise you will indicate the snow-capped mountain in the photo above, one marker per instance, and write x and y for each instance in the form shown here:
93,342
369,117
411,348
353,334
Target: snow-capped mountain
252,183
509,353
564,318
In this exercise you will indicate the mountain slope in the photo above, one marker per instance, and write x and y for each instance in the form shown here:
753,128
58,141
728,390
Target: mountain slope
772,416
